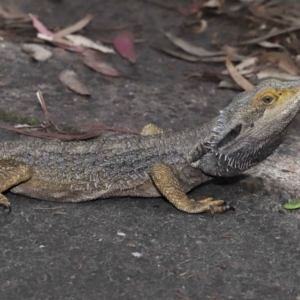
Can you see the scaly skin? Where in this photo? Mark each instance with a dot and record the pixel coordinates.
(155, 163)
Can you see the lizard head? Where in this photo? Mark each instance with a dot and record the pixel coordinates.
(249, 129)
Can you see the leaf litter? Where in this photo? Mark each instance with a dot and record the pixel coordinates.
(273, 26)
(49, 130)
(270, 50)
(71, 80)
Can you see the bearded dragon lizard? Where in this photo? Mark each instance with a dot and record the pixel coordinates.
(155, 163)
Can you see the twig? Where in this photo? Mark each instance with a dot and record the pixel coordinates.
(269, 35)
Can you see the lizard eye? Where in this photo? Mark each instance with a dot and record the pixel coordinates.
(268, 99)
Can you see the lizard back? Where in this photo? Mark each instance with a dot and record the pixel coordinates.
(110, 166)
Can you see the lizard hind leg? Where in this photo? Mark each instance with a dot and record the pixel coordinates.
(167, 183)
(12, 173)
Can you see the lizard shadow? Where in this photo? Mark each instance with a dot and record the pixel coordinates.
(231, 185)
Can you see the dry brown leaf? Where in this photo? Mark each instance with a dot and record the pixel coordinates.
(79, 40)
(194, 26)
(283, 60)
(237, 77)
(191, 49)
(47, 35)
(193, 8)
(177, 54)
(61, 43)
(229, 50)
(192, 58)
(297, 59)
(228, 85)
(257, 10)
(214, 4)
(91, 60)
(266, 44)
(75, 27)
(270, 35)
(37, 52)
(12, 12)
(275, 73)
(71, 80)
(246, 67)
(246, 63)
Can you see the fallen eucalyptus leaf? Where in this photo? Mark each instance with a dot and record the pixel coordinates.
(92, 61)
(213, 4)
(267, 44)
(246, 66)
(177, 54)
(228, 85)
(124, 44)
(37, 52)
(191, 49)
(71, 80)
(269, 35)
(12, 12)
(283, 60)
(194, 26)
(75, 27)
(275, 73)
(191, 58)
(79, 40)
(47, 35)
(237, 77)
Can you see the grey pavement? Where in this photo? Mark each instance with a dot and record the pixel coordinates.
(143, 248)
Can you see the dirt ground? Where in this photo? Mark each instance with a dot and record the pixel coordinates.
(137, 248)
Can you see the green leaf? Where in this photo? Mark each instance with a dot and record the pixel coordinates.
(292, 205)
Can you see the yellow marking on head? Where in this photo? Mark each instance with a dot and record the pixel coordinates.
(272, 97)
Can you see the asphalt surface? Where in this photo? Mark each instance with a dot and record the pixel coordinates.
(137, 248)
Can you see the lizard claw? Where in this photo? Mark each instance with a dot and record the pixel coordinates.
(5, 203)
(220, 208)
(8, 209)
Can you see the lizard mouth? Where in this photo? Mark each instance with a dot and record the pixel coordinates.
(230, 136)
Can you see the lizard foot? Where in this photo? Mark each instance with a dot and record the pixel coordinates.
(207, 205)
(4, 202)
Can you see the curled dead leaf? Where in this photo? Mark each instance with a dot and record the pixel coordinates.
(275, 73)
(237, 77)
(267, 44)
(214, 4)
(191, 49)
(79, 40)
(37, 52)
(91, 60)
(283, 60)
(71, 80)
(194, 26)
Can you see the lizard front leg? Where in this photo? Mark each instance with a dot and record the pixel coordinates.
(167, 183)
(12, 173)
